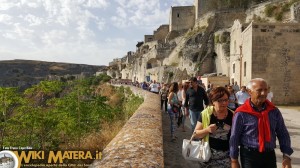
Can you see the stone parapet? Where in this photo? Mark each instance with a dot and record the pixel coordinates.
(140, 141)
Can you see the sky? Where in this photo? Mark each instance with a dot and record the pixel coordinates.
(90, 32)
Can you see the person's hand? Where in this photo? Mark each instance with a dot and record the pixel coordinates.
(187, 112)
(286, 162)
(212, 128)
(235, 165)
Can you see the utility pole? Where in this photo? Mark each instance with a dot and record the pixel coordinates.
(241, 65)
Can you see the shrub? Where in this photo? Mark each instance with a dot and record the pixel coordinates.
(269, 10)
(278, 16)
(217, 39)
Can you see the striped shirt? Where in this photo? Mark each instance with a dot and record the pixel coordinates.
(244, 131)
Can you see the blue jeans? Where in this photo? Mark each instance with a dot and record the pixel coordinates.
(194, 117)
(173, 118)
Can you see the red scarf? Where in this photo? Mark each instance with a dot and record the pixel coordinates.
(263, 121)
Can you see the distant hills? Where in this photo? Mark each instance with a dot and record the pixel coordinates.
(24, 73)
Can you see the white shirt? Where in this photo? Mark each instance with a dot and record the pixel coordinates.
(242, 97)
(270, 96)
(154, 87)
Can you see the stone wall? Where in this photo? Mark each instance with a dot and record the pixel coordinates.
(140, 142)
(276, 58)
(182, 18)
(161, 33)
(295, 12)
(148, 38)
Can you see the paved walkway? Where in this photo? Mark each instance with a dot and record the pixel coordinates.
(172, 150)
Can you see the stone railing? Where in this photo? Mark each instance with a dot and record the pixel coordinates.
(140, 141)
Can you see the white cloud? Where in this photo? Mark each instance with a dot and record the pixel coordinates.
(101, 24)
(5, 19)
(32, 20)
(96, 4)
(54, 37)
(121, 12)
(81, 31)
(117, 42)
(22, 32)
(182, 3)
(140, 13)
(9, 36)
(31, 3)
(6, 5)
(119, 22)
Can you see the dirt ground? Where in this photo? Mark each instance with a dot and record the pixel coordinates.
(172, 150)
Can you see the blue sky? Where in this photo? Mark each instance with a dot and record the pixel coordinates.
(78, 31)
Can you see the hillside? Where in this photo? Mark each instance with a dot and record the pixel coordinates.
(24, 73)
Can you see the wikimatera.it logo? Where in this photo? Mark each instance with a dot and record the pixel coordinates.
(32, 158)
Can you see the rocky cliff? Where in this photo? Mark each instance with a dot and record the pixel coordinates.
(23, 73)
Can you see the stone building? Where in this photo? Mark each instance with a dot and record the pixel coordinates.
(182, 18)
(199, 8)
(269, 51)
(161, 33)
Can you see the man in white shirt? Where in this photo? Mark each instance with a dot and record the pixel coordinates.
(242, 95)
(154, 87)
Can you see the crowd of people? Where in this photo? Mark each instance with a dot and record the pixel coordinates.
(239, 121)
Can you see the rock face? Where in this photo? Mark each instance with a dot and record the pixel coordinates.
(195, 50)
(23, 73)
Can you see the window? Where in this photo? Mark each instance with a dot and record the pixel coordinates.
(233, 68)
(245, 68)
(177, 14)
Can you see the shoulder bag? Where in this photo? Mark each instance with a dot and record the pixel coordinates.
(196, 150)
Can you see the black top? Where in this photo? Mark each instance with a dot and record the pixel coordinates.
(219, 140)
(194, 100)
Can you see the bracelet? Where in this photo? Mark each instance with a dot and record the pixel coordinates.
(234, 161)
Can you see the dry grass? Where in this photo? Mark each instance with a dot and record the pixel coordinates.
(99, 140)
(105, 90)
(56, 68)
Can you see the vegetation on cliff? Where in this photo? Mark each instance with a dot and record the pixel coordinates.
(55, 115)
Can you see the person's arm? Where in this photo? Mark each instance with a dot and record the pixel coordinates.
(200, 132)
(234, 142)
(186, 103)
(187, 97)
(284, 140)
(205, 98)
(170, 98)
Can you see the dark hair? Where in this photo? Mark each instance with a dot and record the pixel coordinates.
(216, 93)
(193, 79)
(174, 87)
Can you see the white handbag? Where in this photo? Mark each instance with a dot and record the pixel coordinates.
(196, 150)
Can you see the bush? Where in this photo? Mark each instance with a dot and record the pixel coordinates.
(269, 10)
(278, 16)
(217, 39)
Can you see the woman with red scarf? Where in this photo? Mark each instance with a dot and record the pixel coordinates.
(255, 126)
